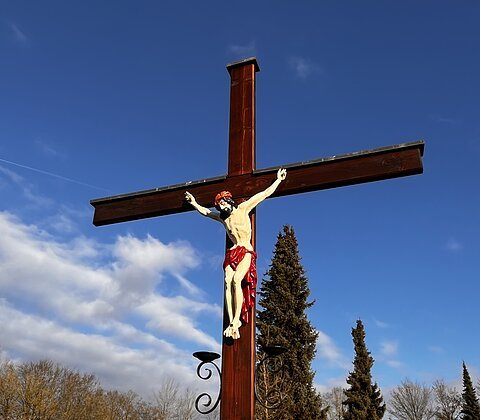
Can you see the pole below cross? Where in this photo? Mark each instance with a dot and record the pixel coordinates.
(243, 181)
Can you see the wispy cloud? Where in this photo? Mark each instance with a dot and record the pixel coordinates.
(303, 67)
(442, 119)
(396, 364)
(17, 34)
(330, 383)
(389, 353)
(380, 324)
(453, 245)
(327, 350)
(242, 50)
(48, 150)
(436, 349)
(65, 220)
(389, 348)
(53, 291)
(11, 175)
(28, 190)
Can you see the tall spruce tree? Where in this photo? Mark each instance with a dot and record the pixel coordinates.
(283, 321)
(470, 406)
(364, 400)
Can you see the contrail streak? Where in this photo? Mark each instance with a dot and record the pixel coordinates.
(64, 178)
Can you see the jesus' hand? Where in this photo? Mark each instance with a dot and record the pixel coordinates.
(189, 198)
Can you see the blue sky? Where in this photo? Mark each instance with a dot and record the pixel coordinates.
(103, 98)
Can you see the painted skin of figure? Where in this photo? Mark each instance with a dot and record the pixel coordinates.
(236, 220)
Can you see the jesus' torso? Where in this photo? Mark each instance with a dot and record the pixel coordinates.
(239, 228)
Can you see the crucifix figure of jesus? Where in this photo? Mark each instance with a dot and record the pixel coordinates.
(239, 265)
(244, 182)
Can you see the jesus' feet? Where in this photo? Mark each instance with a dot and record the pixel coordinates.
(233, 330)
(235, 326)
(235, 333)
(228, 331)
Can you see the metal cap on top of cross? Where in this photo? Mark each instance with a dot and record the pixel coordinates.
(243, 181)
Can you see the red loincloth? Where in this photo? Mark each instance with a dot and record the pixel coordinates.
(249, 284)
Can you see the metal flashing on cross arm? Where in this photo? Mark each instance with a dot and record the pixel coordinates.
(418, 145)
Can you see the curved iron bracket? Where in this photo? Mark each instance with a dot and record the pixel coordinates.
(207, 358)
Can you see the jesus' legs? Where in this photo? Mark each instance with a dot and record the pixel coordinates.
(229, 273)
(237, 292)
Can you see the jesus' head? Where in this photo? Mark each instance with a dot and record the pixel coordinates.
(224, 203)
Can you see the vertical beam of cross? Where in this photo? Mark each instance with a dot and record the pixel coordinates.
(238, 356)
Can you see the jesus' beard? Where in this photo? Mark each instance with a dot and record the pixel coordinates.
(225, 213)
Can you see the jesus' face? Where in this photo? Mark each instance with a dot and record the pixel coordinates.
(226, 208)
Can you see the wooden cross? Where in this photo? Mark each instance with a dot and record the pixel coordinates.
(243, 181)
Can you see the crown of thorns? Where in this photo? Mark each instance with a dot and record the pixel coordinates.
(224, 195)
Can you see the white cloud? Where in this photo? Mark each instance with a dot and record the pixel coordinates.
(442, 119)
(326, 349)
(340, 381)
(188, 286)
(154, 256)
(389, 347)
(380, 324)
(72, 301)
(242, 50)
(117, 365)
(12, 176)
(48, 150)
(62, 222)
(389, 353)
(436, 349)
(28, 190)
(170, 315)
(66, 222)
(394, 364)
(303, 67)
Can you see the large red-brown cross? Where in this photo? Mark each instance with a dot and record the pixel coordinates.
(244, 180)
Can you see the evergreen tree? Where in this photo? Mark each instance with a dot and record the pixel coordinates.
(470, 406)
(282, 321)
(364, 400)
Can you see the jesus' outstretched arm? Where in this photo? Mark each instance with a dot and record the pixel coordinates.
(252, 202)
(202, 210)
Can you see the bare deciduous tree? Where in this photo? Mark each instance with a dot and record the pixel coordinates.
(448, 401)
(47, 391)
(334, 401)
(9, 386)
(172, 403)
(411, 401)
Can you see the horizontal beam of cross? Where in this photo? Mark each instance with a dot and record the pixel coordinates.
(337, 171)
